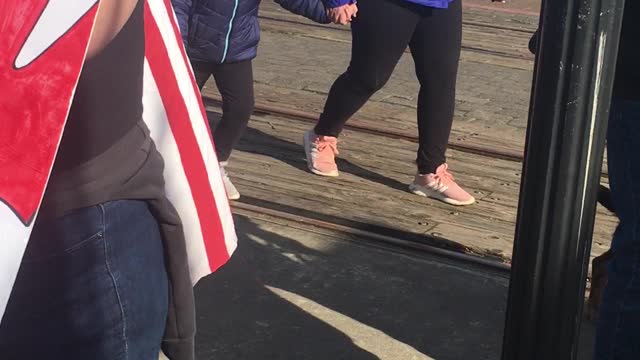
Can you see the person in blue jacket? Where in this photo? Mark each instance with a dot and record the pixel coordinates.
(221, 38)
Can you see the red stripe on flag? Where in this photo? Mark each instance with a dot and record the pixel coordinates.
(192, 161)
(187, 63)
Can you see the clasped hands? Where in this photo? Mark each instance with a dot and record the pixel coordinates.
(343, 14)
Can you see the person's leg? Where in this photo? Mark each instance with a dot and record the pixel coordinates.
(435, 47)
(380, 33)
(92, 285)
(235, 83)
(202, 72)
(618, 333)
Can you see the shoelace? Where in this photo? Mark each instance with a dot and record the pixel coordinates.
(443, 176)
(322, 144)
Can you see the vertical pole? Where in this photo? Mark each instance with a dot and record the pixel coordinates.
(568, 117)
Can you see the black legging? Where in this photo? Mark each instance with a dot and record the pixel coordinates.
(381, 32)
(235, 83)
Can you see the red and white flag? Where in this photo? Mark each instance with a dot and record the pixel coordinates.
(42, 49)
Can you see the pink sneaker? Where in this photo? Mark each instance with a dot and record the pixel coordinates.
(441, 186)
(321, 154)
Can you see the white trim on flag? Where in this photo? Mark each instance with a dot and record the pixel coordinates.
(192, 101)
(175, 177)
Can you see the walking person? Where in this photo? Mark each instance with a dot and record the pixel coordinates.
(381, 32)
(617, 335)
(66, 303)
(221, 37)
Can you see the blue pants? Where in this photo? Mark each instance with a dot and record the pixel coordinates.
(92, 285)
(618, 334)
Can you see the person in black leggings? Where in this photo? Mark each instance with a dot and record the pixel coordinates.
(221, 38)
(235, 84)
(381, 33)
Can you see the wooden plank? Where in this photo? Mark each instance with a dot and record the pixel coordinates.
(485, 239)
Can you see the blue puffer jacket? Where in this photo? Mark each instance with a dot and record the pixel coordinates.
(227, 31)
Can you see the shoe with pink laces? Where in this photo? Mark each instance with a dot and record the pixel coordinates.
(321, 154)
(441, 186)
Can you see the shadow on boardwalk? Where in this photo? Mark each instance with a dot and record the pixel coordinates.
(292, 294)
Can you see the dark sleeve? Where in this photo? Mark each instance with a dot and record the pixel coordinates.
(533, 42)
(311, 9)
(182, 9)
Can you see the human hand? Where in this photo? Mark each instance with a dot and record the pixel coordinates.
(343, 14)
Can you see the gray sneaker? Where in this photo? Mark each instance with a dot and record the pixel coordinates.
(232, 192)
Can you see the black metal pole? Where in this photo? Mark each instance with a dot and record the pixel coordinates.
(569, 109)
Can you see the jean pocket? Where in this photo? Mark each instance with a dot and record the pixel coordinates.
(65, 235)
(36, 254)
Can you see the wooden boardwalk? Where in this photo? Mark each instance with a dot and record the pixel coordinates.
(371, 193)
(270, 170)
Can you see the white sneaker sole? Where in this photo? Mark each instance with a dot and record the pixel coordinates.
(426, 192)
(307, 154)
(230, 189)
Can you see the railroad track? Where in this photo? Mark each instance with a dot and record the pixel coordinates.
(359, 125)
(381, 237)
(498, 27)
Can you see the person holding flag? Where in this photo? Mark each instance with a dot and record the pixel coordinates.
(128, 222)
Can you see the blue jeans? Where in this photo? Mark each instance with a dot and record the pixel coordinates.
(618, 334)
(92, 285)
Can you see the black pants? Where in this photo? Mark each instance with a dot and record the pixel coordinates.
(235, 83)
(381, 33)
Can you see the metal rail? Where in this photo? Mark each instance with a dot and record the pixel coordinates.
(379, 238)
(359, 125)
(498, 27)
